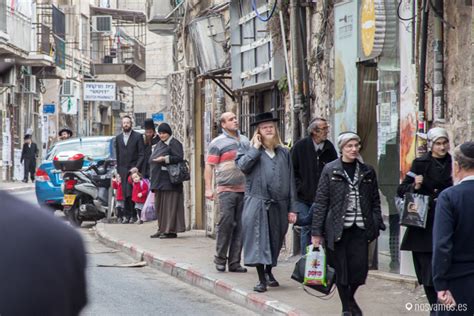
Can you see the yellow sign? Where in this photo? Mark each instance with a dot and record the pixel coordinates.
(69, 199)
(367, 18)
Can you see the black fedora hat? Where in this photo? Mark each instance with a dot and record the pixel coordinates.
(149, 124)
(67, 130)
(264, 117)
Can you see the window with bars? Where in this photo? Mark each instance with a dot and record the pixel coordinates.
(140, 119)
(257, 102)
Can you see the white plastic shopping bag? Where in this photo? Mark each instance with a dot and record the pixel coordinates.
(315, 269)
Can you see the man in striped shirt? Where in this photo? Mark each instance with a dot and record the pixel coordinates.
(230, 183)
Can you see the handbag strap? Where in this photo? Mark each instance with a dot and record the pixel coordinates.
(324, 297)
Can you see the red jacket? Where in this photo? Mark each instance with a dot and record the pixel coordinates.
(117, 185)
(139, 187)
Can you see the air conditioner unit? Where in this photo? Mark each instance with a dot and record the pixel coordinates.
(30, 84)
(68, 88)
(102, 23)
(9, 78)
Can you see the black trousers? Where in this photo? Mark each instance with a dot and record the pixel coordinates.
(29, 168)
(129, 208)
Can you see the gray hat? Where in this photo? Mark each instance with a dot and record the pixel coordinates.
(345, 137)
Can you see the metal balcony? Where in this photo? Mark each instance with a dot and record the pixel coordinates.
(116, 55)
(164, 15)
(15, 30)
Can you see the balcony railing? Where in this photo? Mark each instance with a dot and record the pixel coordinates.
(17, 25)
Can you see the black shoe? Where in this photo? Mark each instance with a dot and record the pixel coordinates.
(239, 269)
(24, 181)
(220, 267)
(168, 235)
(346, 314)
(355, 309)
(271, 281)
(156, 235)
(260, 287)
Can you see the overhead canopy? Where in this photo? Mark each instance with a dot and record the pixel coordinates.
(123, 15)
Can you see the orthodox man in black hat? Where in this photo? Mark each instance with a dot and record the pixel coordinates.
(28, 156)
(151, 139)
(64, 134)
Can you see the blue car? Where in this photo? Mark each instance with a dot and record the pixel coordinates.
(48, 183)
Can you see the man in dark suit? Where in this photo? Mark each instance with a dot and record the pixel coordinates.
(43, 262)
(309, 156)
(130, 149)
(150, 139)
(29, 155)
(453, 238)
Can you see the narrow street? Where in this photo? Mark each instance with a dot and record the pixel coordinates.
(139, 291)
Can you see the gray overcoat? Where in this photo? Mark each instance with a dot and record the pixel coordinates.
(269, 197)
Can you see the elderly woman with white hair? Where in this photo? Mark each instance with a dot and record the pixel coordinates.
(347, 217)
(429, 175)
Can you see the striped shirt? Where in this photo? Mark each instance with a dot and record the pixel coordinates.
(221, 154)
(353, 211)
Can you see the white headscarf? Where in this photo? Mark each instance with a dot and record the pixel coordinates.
(434, 134)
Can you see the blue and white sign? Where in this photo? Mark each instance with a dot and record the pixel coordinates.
(49, 108)
(158, 117)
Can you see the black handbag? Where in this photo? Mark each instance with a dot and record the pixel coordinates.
(415, 210)
(298, 276)
(179, 172)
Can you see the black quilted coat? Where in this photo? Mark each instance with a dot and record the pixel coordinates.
(331, 201)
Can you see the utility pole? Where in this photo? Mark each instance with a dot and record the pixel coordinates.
(438, 82)
(296, 54)
(421, 143)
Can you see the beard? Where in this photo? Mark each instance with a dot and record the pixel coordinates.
(127, 129)
(269, 141)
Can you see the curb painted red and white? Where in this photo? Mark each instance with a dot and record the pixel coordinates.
(259, 303)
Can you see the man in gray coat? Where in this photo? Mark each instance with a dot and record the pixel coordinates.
(230, 191)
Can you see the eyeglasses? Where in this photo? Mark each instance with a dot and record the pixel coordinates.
(322, 129)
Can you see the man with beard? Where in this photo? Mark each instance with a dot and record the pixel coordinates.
(129, 148)
(309, 156)
(230, 192)
(151, 139)
(269, 198)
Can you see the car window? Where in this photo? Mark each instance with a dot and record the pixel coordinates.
(92, 149)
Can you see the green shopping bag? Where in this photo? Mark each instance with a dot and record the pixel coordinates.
(315, 267)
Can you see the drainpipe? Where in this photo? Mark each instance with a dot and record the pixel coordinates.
(438, 82)
(421, 82)
(296, 54)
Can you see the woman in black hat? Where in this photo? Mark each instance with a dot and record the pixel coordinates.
(169, 199)
(269, 199)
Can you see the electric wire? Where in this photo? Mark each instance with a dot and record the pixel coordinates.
(261, 18)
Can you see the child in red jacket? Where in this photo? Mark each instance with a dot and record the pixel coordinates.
(139, 193)
(117, 185)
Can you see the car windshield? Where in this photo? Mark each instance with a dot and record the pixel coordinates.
(91, 149)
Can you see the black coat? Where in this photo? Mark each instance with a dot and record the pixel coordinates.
(435, 180)
(43, 262)
(128, 157)
(160, 179)
(453, 255)
(147, 155)
(308, 165)
(331, 200)
(29, 152)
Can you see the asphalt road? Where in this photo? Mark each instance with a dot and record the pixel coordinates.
(139, 291)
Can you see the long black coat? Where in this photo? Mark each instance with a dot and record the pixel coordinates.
(160, 178)
(308, 165)
(146, 159)
(435, 180)
(128, 157)
(331, 200)
(29, 152)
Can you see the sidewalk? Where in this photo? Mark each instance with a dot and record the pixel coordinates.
(16, 186)
(189, 258)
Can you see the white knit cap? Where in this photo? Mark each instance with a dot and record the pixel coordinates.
(345, 137)
(436, 133)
